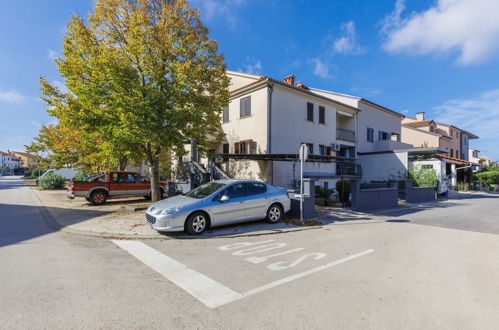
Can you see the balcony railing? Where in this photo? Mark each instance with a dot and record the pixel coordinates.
(345, 135)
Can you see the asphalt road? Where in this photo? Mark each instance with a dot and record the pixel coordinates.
(431, 267)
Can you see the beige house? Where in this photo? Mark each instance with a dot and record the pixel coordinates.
(30, 161)
(422, 132)
(474, 156)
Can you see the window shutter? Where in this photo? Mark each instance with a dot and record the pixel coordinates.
(310, 111)
(322, 115)
(236, 148)
(226, 114)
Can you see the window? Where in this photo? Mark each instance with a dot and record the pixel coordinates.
(310, 148)
(118, 177)
(384, 136)
(322, 115)
(205, 190)
(225, 148)
(432, 129)
(370, 135)
(328, 151)
(234, 191)
(310, 111)
(226, 114)
(245, 109)
(322, 149)
(255, 188)
(452, 152)
(245, 147)
(427, 167)
(134, 178)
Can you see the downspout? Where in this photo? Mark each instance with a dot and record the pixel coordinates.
(269, 130)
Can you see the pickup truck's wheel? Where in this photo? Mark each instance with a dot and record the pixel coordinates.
(197, 223)
(98, 197)
(274, 213)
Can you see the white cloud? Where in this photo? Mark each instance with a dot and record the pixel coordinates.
(393, 21)
(478, 115)
(11, 96)
(347, 43)
(251, 66)
(52, 54)
(321, 68)
(215, 9)
(470, 27)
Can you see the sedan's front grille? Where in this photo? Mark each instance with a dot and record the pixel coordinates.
(150, 219)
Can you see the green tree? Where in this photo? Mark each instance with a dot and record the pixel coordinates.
(143, 79)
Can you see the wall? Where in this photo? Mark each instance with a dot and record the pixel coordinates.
(383, 166)
(418, 137)
(366, 200)
(454, 143)
(377, 119)
(290, 128)
(238, 80)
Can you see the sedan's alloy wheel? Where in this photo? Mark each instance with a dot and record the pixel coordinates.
(199, 223)
(274, 213)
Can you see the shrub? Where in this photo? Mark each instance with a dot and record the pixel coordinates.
(27, 174)
(82, 175)
(488, 178)
(423, 177)
(51, 181)
(463, 186)
(344, 188)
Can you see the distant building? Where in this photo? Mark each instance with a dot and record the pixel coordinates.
(9, 161)
(30, 161)
(422, 132)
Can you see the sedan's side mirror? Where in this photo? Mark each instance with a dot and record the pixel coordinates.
(224, 198)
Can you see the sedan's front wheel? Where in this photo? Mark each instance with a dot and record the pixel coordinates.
(196, 223)
(274, 213)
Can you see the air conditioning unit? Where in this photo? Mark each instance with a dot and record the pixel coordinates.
(335, 147)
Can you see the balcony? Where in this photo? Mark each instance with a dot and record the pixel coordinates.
(345, 135)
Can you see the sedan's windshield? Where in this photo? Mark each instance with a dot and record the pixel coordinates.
(205, 190)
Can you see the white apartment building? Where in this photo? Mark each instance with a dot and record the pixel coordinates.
(266, 116)
(6, 160)
(378, 136)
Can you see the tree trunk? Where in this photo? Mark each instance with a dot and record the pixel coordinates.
(153, 164)
(123, 162)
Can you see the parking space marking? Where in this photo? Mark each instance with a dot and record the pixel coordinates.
(305, 273)
(203, 288)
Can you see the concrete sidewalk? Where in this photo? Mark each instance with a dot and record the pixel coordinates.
(113, 220)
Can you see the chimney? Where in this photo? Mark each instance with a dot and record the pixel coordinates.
(290, 80)
(302, 86)
(420, 116)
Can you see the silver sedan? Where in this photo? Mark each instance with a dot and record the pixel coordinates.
(219, 203)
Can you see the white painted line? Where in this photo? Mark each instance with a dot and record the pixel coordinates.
(305, 273)
(201, 287)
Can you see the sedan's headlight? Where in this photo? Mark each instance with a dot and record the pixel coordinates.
(168, 211)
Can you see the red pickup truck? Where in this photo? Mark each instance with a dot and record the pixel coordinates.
(98, 188)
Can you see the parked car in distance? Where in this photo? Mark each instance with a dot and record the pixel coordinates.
(219, 203)
(98, 188)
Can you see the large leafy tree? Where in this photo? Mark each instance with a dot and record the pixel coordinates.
(143, 77)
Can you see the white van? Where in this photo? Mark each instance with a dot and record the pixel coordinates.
(67, 173)
(440, 168)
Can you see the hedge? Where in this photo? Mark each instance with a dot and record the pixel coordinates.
(489, 177)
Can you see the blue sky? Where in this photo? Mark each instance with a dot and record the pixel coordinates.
(441, 57)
